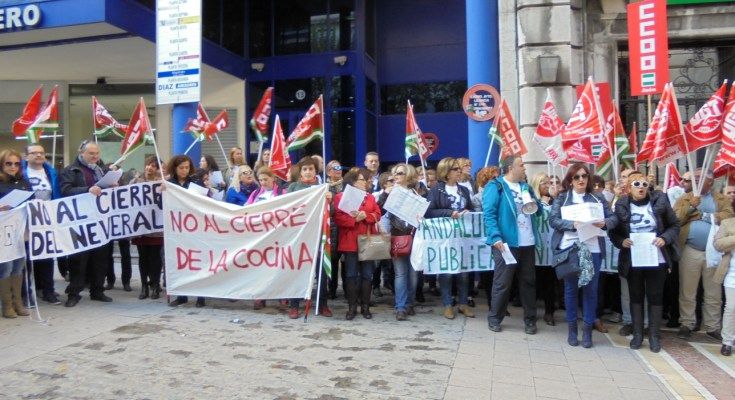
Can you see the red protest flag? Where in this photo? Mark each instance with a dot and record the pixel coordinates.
(705, 126)
(671, 177)
(196, 126)
(217, 125)
(104, 122)
(615, 144)
(507, 130)
(584, 123)
(726, 157)
(30, 112)
(259, 122)
(138, 129)
(415, 142)
(309, 128)
(664, 141)
(280, 161)
(548, 133)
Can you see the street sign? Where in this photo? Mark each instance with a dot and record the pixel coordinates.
(480, 102)
(178, 51)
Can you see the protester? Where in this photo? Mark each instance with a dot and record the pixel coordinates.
(80, 177)
(11, 272)
(264, 161)
(729, 191)
(44, 184)
(695, 216)
(645, 211)
(483, 177)
(372, 163)
(725, 242)
(150, 262)
(577, 187)
(236, 161)
(509, 228)
(466, 175)
(351, 225)
(545, 275)
(334, 179)
(406, 278)
(208, 163)
(181, 168)
(241, 189)
(448, 199)
(431, 178)
(383, 267)
(307, 168)
(319, 166)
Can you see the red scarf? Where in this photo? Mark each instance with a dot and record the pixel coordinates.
(309, 182)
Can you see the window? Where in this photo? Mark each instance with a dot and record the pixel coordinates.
(343, 137)
(343, 91)
(315, 26)
(425, 97)
(233, 27)
(211, 24)
(370, 95)
(259, 25)
(370, 28)
(297, 93)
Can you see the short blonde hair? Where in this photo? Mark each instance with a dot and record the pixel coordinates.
(411, 178)
(536, 182)
(445, 165)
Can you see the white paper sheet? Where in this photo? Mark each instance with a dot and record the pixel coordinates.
(111, 178)
(218, 195)
(507, 255)
(584, 212)
(406, 205)
(216, 179)
(351, 200)
(588, 231)
(198, 189)
(15, 198)
(643, 253)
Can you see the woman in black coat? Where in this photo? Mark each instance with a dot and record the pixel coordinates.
(644, 211)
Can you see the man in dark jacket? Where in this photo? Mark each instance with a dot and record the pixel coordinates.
(42, 177)
(81, 176)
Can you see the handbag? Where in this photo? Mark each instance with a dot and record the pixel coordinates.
(373, 246)
(566, 262)
(400, 246)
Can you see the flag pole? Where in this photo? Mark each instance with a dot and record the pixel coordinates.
(690, 156)
(53, 149)
(227, 159)
(489, 149)
(192, 145)
(324, 152)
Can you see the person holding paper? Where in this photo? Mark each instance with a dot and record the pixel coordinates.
(360, 222)
(11, 272)
(406, 277)
(334, 179)
(181, 168)
(510, 230)
(150, 254)
(577, 186)
(644, 211)
(545, 276)
(695, 216)
(81, 176)
(208, 163)
(450, 199)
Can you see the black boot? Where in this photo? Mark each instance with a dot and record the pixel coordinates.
(572, 337)
(636, 314)
(654, 328)
(587, 335)
(365, 292)
(143, 292)
(155, 291)
(351, 294)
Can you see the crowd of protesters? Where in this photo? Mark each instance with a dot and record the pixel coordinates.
(683, 291)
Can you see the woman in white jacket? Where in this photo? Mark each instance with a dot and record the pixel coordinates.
(725, 242)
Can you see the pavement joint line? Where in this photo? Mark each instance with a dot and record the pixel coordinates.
(700, 348)
(687, 376)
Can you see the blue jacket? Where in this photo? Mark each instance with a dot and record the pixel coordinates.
(499, 210)
(50, 174)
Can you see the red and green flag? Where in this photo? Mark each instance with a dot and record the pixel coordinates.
(280, 162)
(104, 123)
(259, 122)
(36, 119)
(326, 242)
(309, 128)
(415, 142)
(139, 129)
(615, 144)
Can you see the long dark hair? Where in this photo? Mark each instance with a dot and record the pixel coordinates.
(566, 184)
(178, 160)
(211, 163)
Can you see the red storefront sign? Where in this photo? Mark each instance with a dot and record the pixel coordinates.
(648, 47)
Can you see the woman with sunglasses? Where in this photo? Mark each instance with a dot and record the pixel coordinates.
(645, 211)
(241, 189)
(449, 199)
(577, 187)
(11, 272)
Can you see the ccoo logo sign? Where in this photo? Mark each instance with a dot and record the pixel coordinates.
(648, 47)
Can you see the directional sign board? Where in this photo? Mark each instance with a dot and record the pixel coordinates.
(178, 51)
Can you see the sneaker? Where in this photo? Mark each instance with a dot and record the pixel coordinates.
(449, 312)
(293, 313)
(726, 350)
(531, 328)
(401, 316)
(325, 312)
(52, 299)
(466, 311)
(715, 335)
(684, 333)
(494, 327)
(410, 310)
(626, 330)
(615, 318)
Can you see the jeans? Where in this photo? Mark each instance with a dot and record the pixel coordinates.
(358, 270)
(405, 282)
(445, 288)
(589, 294)
(12, 268)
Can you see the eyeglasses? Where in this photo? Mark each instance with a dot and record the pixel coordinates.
(12, 164)
(248, 173)
(336, 167)
(400, 173)
(580, 177)
(638, 184)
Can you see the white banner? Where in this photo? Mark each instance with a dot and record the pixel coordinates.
(66, 226)
(267, 250)
(451, 246)
(12, 228)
